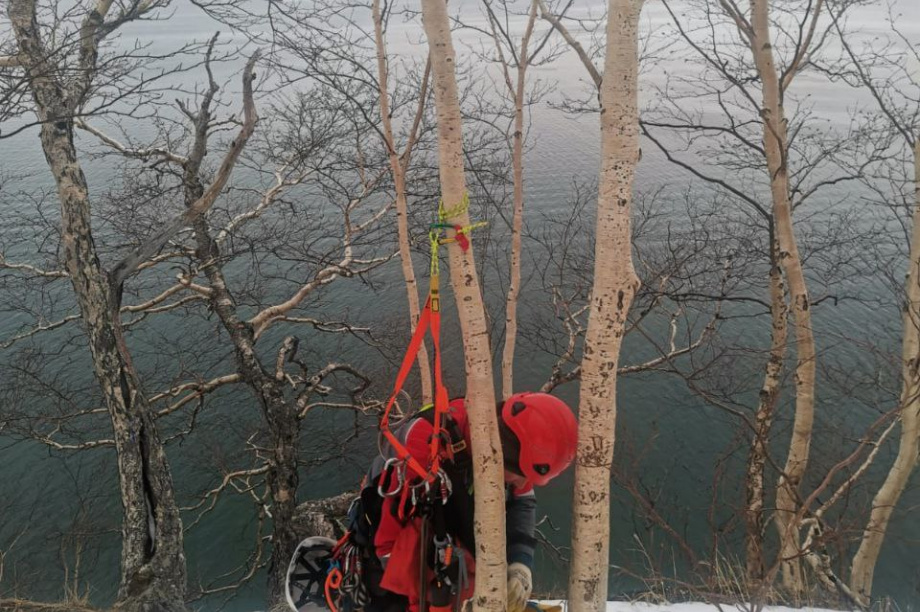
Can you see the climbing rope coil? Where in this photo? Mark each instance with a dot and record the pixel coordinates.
(416, 485)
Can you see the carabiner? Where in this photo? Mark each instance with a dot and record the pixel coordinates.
(400, 469)
(447, 487)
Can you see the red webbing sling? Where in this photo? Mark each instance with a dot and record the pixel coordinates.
(430, 319)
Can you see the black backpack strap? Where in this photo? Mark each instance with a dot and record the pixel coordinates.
(459, 452)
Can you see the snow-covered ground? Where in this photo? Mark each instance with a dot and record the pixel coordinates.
(626, 606)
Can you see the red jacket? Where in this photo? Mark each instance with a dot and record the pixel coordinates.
(396, 542)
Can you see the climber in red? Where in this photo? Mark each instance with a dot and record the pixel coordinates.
(538, 434)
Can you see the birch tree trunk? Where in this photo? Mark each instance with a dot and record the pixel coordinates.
(887, 497)
(776, 146)
(517, 221)
(491, 573)
(615, 285)
(153, 570)
(763, 420)
(402, 206)
(153, 567)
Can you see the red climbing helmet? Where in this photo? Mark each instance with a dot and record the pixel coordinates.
(547, 432)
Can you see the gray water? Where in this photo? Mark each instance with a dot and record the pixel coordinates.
(685, 438)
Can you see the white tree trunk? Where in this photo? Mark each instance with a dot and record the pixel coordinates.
(763, 421)
(615, 285)
(517, 221)
(402, 206)
(776, 145)
(887, 497)
(153, 566)
(489, 510)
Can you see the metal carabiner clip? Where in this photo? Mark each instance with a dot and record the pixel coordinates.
(447, 487)
(398, 466)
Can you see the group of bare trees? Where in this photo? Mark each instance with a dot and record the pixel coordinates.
(203, 285)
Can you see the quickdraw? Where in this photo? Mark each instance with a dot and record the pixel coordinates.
(346, 577)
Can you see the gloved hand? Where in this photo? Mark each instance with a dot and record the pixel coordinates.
(520, 585)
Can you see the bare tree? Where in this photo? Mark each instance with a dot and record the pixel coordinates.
(517, 58)
(776, 142)
(313, 141)
(793, 164)
(491, 583)
(60, 77)
(309, 159)
(614, 287)
(881, 69)
(399, 165)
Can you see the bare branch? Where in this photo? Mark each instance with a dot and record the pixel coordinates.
(197, 390)
(267, 316)
(576, 46)
(229, 480)
(48, 441)
(5, 265)
(130, 264)
(37, 330)
(796, 65)
(143, 154)
(857, 474)
(267, 199)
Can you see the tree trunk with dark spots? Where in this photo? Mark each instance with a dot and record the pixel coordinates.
(615, 286)
(905, 462)
(491, 570)
(153, 568)
(755, 520)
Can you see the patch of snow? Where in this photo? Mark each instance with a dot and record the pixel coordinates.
(628, 606)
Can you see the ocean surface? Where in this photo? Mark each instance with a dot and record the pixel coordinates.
(59, 511)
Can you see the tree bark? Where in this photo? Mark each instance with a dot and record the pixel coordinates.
(763, 421)
(402, 205)
(517, 221)
(280, 415)
(615, 286)
(489, 508)
(775, 138)
(153, 567)
(890, 492)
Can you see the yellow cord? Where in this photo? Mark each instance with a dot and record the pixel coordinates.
(435, 239)
(445, 214)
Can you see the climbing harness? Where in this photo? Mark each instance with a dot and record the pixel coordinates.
(419, 491)
(429, 320)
